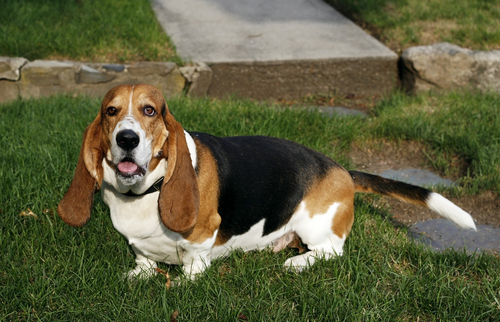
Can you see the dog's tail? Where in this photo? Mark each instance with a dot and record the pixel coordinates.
(369, 183)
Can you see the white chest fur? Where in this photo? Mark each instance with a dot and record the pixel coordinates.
(137, 219)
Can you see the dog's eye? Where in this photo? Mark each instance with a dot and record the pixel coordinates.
(149, 111)
(111, 111)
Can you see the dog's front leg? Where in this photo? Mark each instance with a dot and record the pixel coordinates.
(196, 257)
(145, 268)
(195, 263)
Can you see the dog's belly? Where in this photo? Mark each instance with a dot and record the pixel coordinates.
(301, 224)
(137, 220)
(252, 239)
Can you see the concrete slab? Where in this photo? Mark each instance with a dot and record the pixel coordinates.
(277, 48)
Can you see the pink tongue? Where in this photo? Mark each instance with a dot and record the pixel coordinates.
(127, 167)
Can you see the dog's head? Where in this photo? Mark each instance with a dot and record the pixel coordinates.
(132, 133)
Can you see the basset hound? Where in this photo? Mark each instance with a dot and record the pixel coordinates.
(187, 198)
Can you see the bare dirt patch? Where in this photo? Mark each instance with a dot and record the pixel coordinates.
(379, 156)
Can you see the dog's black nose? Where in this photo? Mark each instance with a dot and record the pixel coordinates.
(127, 139)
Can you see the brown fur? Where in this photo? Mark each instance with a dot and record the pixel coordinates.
(143, 95)
(179, 199)
(208, 182)
(75, 207)
(178, 202)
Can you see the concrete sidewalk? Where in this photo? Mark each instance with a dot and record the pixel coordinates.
(277, 48)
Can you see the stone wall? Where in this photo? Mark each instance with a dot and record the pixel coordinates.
(30, 79)
(441, 66)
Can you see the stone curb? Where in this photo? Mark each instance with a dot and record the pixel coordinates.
(20, 78)
(295, 79)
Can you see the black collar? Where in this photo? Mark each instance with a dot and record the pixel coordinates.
(155, 187)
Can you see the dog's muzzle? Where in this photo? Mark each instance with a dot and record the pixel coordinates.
(128, 140)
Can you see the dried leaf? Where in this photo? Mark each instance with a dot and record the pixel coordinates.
(161, 271)
(173, 317)
(28, 213)
(242, 317)
(168, 284)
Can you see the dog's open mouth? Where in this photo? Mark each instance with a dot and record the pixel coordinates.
(127, 168)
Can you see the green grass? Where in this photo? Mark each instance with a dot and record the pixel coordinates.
(127, 30)
(463, 124)
(112, 31)
(52, 272)
(403, 23)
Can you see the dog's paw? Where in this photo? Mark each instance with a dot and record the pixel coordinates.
(306, 260)
(301, 262)
(140, 272)
(296, 264)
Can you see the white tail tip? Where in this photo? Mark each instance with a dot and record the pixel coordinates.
(449, 210)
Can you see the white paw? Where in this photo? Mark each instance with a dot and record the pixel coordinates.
(306, 260)
(140, 272)
(300, 262)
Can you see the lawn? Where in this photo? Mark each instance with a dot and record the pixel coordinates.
(400, 24)
(97, 31)
(108, 31)
(50, 271)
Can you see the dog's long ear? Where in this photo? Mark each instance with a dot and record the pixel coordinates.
(76, 205)
(179, 199)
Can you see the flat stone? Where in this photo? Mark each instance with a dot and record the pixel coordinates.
(151, 68)
(340, 111)
(114, 67)
(445, 66)
(48, 73)
(277, 49)
(9, 67)
(418, 177)
(47, 77)
(89, 75)
(441, 234)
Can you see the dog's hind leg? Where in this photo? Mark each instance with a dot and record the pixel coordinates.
(324, 233)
